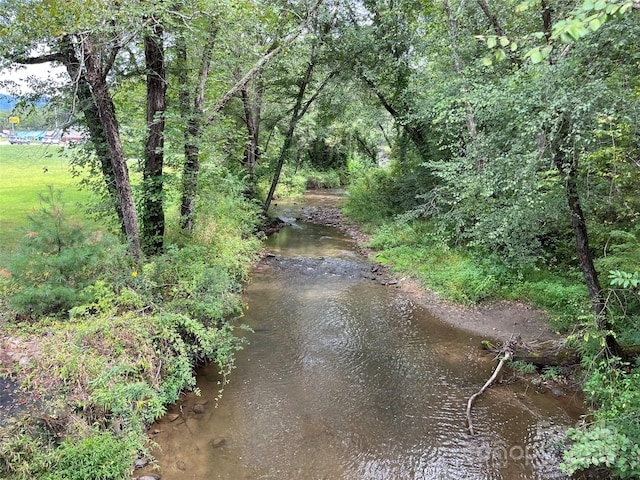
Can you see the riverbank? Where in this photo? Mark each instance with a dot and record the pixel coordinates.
(498, 320)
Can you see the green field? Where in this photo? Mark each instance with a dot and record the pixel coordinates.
(26, 171)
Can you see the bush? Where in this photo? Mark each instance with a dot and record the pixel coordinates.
(130, 341)
(612, 439)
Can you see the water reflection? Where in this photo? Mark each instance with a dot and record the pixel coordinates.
(347, 379)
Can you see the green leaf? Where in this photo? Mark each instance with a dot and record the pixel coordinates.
(565, 38)
(576, 31)
(491, 42)
(612, 8)
(535, 55)
(626, 7)
(504, 41)
(596, 23)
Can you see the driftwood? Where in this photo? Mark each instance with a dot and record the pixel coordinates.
(507, 353)
(550, 353)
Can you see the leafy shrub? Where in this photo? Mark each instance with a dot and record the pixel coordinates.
(612, 439)
(130, 343)
(367, 202)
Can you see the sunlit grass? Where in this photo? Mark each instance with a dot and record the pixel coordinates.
(25, 172)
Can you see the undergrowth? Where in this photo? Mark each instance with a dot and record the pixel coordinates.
(296, 181)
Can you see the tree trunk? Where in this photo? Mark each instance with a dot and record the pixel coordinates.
(284, 151)
(190, 172)
(153, 222)
(569, 168)
(68, 57)
(192, 111)
(457, 66)
(252, 109)
(415, 131)
(299, 110)
(107, 114)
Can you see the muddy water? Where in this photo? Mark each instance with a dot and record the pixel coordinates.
(348, 379)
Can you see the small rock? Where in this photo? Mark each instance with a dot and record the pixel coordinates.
(149, 477)
(556, 392)
(198, 408)
(170, 417)
(180, 465)
(139, 463)
(217, 442)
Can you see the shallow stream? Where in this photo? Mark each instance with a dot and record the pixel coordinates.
(345, 378)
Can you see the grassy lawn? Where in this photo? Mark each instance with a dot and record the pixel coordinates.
(26, 171)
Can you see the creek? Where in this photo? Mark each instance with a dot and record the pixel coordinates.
(344, 378)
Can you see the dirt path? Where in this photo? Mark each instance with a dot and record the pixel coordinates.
(496, 320)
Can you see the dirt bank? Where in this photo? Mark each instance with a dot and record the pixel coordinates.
(497, 320)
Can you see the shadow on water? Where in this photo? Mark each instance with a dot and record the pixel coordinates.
(348, 379)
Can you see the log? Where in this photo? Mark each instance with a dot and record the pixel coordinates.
(552, 353)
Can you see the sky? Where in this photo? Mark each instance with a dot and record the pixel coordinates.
(41, 71)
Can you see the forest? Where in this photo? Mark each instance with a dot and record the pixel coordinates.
(491, 148)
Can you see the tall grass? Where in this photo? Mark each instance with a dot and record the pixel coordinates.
(467, 277)
(25, 172)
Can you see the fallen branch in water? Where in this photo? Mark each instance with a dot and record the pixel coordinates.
(507, 356)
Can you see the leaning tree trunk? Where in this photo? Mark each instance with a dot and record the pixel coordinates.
(569, 168)
(296, 114)
(299, 111)
(88, 108)
(107, 113)
(153, 223)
